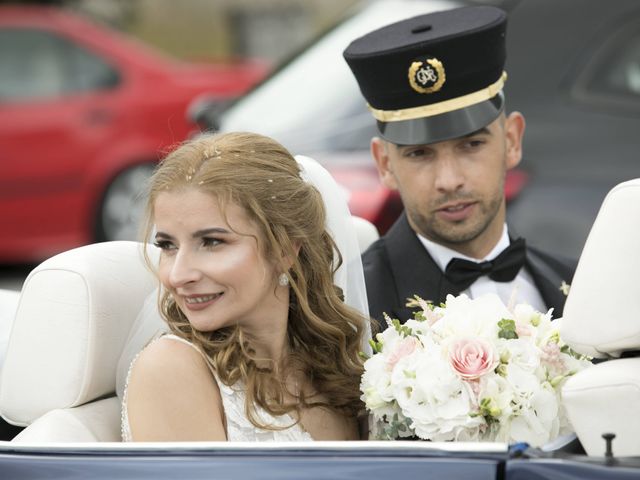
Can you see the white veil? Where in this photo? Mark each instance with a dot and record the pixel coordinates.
(349, 277)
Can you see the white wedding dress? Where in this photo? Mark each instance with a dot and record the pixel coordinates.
(239, 428)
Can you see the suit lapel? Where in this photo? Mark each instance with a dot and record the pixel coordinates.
(547, 281)
(414, 270)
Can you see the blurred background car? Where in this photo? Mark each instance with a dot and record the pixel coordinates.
(574, 71)
(575, 77)
(85, 113)
(313, 106)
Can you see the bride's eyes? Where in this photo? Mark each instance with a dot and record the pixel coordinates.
(210, 242)
(164, 245)
(169, 246)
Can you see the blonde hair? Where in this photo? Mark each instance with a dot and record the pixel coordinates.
(324, 334)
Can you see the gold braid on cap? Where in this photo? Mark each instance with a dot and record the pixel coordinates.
(440, 107)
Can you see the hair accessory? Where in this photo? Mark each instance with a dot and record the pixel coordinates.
(283, 280)
(211, 152)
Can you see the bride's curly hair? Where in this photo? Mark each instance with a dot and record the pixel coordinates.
(324, 334)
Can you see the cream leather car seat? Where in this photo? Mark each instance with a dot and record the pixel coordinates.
(81, 317)
(72, 321)
(602, 319)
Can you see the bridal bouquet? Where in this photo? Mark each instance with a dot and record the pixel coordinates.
(470, 370)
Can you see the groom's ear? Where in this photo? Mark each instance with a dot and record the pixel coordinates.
(380, 153)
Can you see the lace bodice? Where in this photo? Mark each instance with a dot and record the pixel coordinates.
(239, 428)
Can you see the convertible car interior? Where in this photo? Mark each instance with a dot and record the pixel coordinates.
(76, 314)
(78, 311)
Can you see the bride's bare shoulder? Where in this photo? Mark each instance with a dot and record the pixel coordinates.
(170, 362)
(170, 379)
(170, 350)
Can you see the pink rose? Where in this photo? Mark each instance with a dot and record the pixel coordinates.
(404, 347)
(472, 357)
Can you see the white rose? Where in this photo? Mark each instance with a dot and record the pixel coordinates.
(464, 317)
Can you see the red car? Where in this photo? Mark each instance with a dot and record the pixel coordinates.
(84, 114)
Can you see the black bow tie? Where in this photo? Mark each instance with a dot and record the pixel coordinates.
(503, 268)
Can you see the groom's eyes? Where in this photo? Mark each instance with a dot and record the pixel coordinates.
(418, 152)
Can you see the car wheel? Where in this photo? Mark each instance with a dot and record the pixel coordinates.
(123, 205)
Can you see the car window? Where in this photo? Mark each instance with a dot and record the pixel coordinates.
(611, 77)
(622, 75)
(36, 64)
(307, 105)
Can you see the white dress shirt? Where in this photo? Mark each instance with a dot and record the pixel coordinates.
(520, 290)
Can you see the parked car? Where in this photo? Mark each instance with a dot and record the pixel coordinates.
(85, 112)
(574, 71)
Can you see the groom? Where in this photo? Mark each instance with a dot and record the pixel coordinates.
(434, 84)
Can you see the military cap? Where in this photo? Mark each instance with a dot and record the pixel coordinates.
(433, 77)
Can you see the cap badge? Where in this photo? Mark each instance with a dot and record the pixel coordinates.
(427, 76)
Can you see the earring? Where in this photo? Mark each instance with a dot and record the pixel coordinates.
(283, 280)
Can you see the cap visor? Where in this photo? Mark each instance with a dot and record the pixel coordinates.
(444, 126)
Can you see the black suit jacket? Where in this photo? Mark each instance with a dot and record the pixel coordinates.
(397, 267)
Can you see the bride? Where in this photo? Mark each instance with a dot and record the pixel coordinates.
(262, 345)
